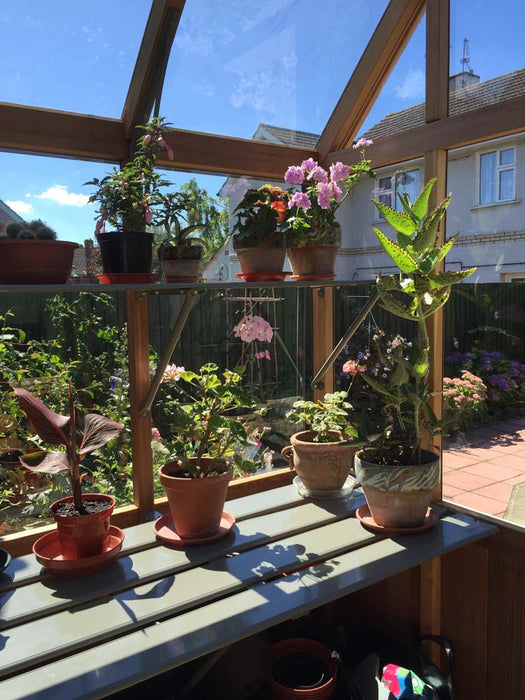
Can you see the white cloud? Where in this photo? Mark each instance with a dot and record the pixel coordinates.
(413, 86)
(20, 207)
(59, 194)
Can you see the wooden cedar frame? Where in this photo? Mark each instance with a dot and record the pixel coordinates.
(34, 130)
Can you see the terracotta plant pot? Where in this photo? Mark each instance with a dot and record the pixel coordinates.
(321, 466)
(196, 505)
(304, 668)
(33, 261)
(313, 261)
(398, 496)
(261, 260)
(83, 536)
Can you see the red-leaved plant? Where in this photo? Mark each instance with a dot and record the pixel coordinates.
(56, 429)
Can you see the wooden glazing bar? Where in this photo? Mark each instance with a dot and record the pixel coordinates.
(323, 337)
(437, 59)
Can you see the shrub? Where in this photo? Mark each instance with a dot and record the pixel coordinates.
(464, 401)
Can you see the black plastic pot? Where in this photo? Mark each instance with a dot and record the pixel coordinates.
(129, 251)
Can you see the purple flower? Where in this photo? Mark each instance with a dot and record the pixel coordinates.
(318, 174)
(294, 175)
(323, 197)
(339, 171)
(301, 200)
(335, 191)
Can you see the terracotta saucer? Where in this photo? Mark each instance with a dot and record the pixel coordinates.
(165, 531)
(262, 276)
(363, 515)
(47, 552)
(126, 278)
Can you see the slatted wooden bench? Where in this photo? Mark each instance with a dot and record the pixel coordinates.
(157, 608)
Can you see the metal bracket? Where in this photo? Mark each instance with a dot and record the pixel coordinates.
(316, 383)
(176, 333)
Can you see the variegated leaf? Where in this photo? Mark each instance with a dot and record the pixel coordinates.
(400, 257)
(395, 307)
(397, 219)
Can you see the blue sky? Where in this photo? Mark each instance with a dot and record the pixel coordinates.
(233, 65)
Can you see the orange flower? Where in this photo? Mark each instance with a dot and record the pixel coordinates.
(280, 208)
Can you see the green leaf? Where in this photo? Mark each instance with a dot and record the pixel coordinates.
(446, 279)
(427, 237)
(398, 220)
(400, 257)
(420, 206)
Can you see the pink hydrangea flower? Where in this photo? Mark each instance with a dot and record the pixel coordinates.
(318, 174)
(294, 175)
(323, 197)
(339, 171)
(362, 143)
(263, 355)
(155, 435)
(301, 200)
(172, 373)
(335, 191)
(309, 164)
(252, 328)
(352, 367)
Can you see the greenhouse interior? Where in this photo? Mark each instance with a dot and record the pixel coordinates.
(262, 302)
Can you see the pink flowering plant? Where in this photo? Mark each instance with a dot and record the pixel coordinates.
(203, 407)
(127, 197)
(313, 207)
(465, 400)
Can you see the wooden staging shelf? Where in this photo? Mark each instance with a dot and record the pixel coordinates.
(157, 608)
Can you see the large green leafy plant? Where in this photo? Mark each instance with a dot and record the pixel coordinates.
(419, 290)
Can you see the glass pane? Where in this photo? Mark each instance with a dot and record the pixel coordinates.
(486, 66)
(487, 178)
(237, 67)
(506, 156)
(407, 182)
(506, 184)
(400, 105)
(72, 56)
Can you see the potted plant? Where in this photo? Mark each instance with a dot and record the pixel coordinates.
(180, 253)
(398, 471)
(323, 455)
(82, 519)
(30, 254)
(258, 237)
(316, 234)
(205, 432)
(127, 198)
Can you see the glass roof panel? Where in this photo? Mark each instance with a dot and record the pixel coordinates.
(74, 56)
(235, 66)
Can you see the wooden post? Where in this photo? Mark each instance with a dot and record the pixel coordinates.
(323, 336)
(139, 373)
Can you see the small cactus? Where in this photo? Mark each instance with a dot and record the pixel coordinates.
(34, 229)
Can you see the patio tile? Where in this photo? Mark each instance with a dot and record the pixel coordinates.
(495, 470)
(515, 462)
(462, 479)
(456, 460)
(480, 453)
(514, 447)
(520, 479)
(450, 491)
(478, 502)
(500, 492)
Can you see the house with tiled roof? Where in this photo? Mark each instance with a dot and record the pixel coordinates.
(487, 181)
(8, 216)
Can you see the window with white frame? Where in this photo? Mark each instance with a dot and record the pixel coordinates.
(389, 187)
(497, 176)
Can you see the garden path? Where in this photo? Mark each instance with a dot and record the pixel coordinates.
(481, 468)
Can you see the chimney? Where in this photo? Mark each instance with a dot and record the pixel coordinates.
(462, 80)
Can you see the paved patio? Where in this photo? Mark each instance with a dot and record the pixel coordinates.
(481, 468)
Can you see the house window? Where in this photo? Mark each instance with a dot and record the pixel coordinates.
(497, 176)
(390, 187)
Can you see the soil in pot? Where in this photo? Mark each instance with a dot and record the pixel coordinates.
(303, 668)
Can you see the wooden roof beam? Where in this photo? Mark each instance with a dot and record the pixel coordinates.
(148, 76)
(490, 122)
(384, 48)
(50, 132)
